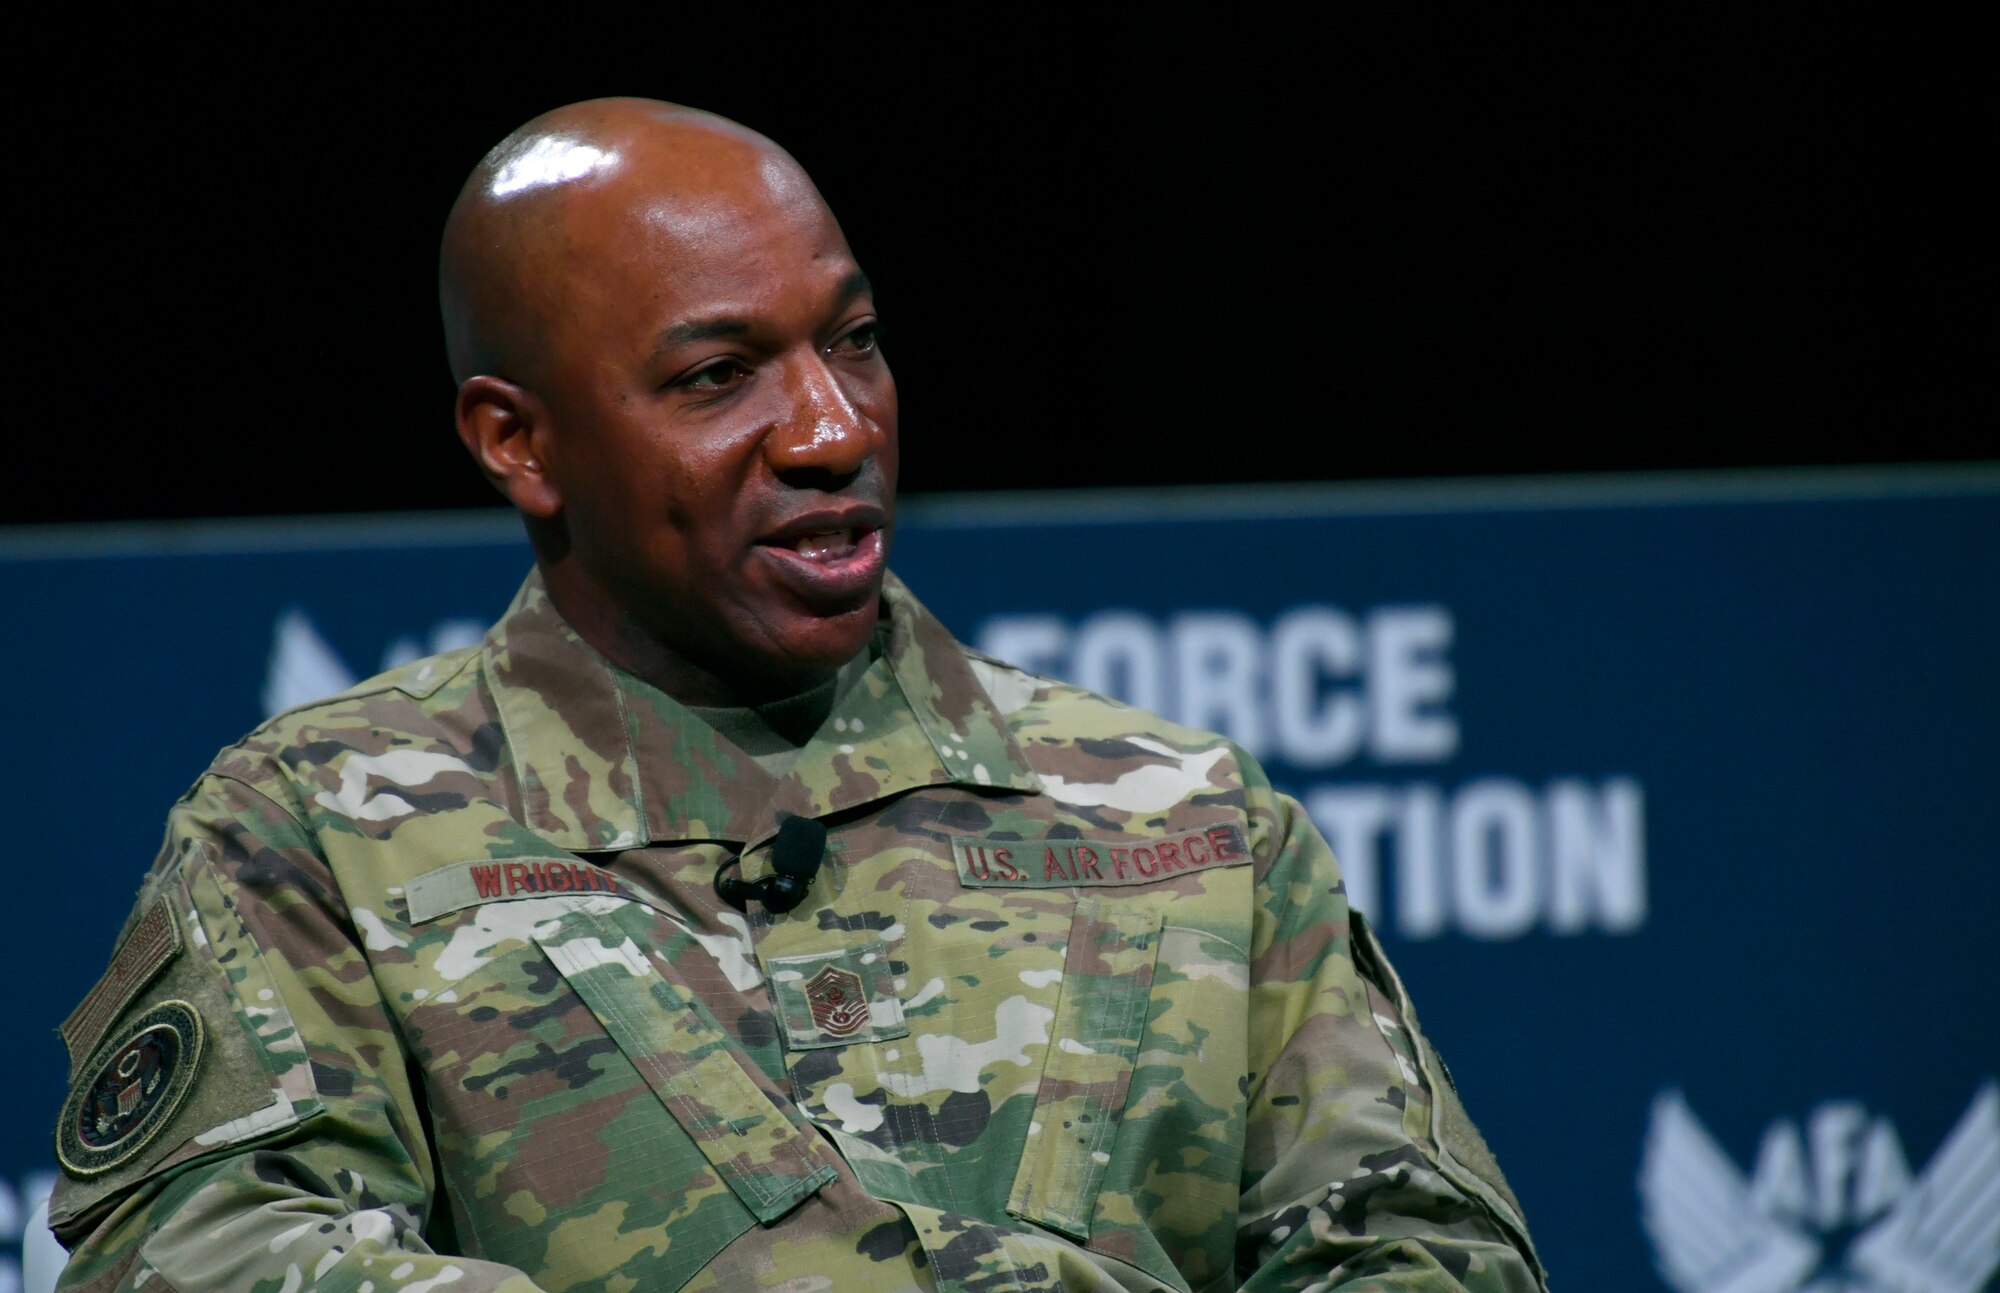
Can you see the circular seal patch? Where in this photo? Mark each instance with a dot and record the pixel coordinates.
(127, 1093)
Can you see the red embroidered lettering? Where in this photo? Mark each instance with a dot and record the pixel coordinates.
(1118, 857)
(1142, 858)
(1086, 863)
(486, 879)
(1004, 859)
(1189, 845)
(517, 876)
(1227, 842)
(557, 877)
(1052, 867)
(976, 864)
(1170, 856)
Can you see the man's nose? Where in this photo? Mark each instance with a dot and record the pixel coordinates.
(823, 431)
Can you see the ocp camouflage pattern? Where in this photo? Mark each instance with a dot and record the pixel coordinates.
(478, 1021)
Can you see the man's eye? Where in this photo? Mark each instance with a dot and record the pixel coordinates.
(862, 340)
(719, 375)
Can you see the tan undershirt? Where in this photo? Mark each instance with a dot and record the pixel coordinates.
(772, 734)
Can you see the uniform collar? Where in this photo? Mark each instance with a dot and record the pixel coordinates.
(606, 761)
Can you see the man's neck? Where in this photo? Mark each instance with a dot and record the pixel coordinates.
(774, 732)
(614, 633)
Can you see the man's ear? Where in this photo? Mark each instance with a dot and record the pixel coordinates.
(506, 430)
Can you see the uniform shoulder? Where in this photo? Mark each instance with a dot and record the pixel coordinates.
(399, 706)
(1036, 704)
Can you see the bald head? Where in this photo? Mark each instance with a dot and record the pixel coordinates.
(668, 362)
(553, 200)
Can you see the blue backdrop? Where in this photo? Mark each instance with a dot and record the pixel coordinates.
(1673, 798)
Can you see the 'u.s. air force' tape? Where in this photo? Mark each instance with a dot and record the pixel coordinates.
(1065, 864)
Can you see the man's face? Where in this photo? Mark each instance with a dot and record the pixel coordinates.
(722, 428)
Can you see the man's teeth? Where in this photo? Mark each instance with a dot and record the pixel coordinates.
(824, 545)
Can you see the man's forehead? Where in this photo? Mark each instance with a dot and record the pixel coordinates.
(610, 205)
(617, 203)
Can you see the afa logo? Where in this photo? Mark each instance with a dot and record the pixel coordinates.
(304, 667)
(1831, 1210)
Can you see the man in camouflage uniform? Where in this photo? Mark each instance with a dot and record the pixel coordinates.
(431, 987)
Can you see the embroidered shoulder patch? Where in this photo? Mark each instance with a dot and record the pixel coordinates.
(1068, 864)
(128, 1092)
(144, 953)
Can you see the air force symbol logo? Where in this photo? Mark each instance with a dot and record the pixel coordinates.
(1832, 1211)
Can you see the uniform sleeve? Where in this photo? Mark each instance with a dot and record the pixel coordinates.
(1361, 1171)
(242, 1114)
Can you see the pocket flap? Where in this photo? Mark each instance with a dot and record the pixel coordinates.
(769, 1162)
(1100, 1020)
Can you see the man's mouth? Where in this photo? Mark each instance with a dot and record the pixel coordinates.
(831, 560)
(826, 545)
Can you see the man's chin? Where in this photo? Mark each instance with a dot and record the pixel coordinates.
(811, 650)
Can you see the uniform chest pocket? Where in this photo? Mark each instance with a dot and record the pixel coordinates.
(993, 1063)
(1136, 1144)
(1167, 1179)
(692, 1065)
(1100, 1020)
(594, 1118)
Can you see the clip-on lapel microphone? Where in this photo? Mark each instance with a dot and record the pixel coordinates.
(796, 855)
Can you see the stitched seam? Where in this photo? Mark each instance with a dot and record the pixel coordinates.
(944, 1164)
(690, 1076)
(875, 1052)
(637, 801)
(268, 798)
(673, 1087)
(1205, 933)
(1083, 1160)
(669, 1086)
(1039, 1190)
(1034, 1198)
(1107, 1126)
(795, 1145)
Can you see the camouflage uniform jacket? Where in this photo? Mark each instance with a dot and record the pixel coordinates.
(430, 990)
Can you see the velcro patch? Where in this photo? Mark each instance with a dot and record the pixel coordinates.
(130, 1090)
(468, 884)
(144, 953)
(1071, 864)
(833, 998)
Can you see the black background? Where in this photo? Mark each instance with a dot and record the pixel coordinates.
(1113, 248)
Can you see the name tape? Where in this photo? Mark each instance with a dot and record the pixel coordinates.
(467, 884)
(1066, 864)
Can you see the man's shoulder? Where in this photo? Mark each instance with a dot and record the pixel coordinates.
(412, 707)
(1053, 720)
